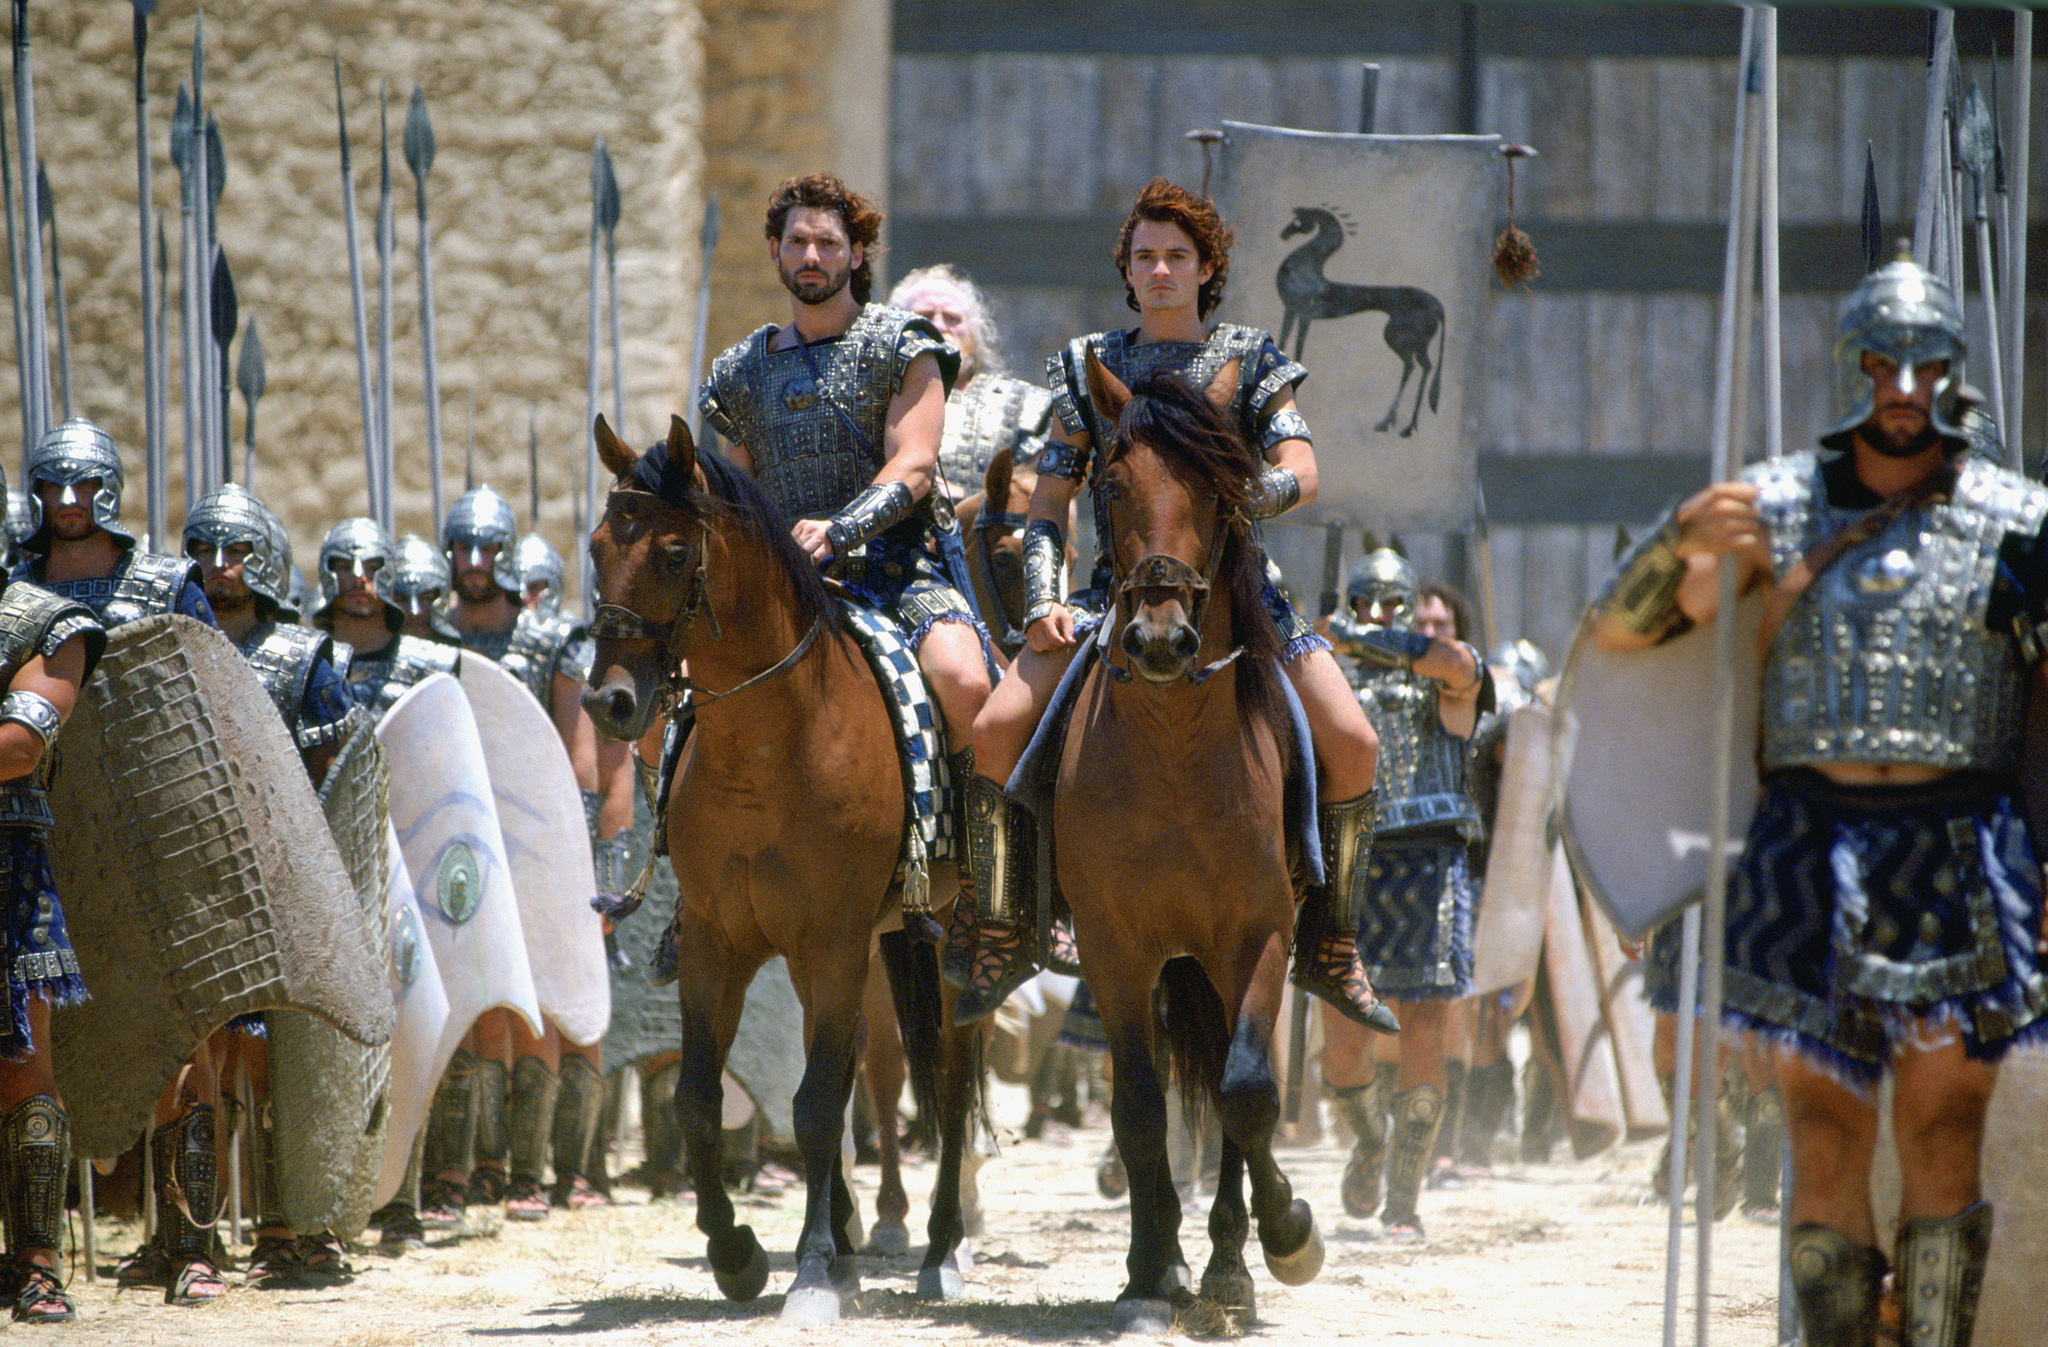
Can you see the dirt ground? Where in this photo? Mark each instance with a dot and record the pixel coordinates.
(1565, 1253)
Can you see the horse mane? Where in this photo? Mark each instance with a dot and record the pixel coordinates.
(1201, 446)
(736, 499)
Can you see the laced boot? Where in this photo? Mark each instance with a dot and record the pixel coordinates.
(534, 1089)
(1326, 958)
(579, 1106)
(1763, 1156)
(989, 947)
(664, 1134)
(1418, 1112)
(1364, 1109)
(1940, 1273)
(493, 1139)
(187, 1205)
(450, 1145)
(35, 1163)
(1837, 1283)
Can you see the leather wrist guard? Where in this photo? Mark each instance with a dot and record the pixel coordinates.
(35, 1158)
(35, 711)
(1274, 491)
(1644, 594)
(878, 508)
(1388, 647)
(1045, 547)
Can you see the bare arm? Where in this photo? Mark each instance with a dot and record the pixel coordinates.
(579, 734)
(55, 677)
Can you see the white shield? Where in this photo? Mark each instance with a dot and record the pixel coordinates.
(417, 1058)
(1594, 1117)
(1635, 737)
(1368, 258)
(447, 825)
(1509, 935)
(540, 812)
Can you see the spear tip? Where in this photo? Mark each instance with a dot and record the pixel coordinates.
(709, 237)
(419, 136)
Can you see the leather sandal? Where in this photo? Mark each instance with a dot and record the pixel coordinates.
(39, 1298)
(1331, 969)
(196, 1282)
(998, 962)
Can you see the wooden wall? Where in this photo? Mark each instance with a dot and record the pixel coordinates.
(1020, 133)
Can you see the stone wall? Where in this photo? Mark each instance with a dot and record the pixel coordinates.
(518, 93)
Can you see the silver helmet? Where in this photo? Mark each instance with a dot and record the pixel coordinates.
(538, 562)
(478, 519)
(1385, 577)
(229, 514)
(66, 455)
(1908, 315)
(421, 580)
(1525, 659)
(20, 525)
(362, 546)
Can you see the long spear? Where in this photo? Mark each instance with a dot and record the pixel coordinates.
(32, 261)
(2016, 230)
(226, 315)
(249, 378)
(1928, 222)
(419, 157)
(202, 261)
(14, 276)
(188, 286)
(583, 523)
(608, 219)
(707, 243)
(386, 240)
(209, 262)
(152, 335)
(1976, 143)
(533, 464)
(355, 285)
(46, 218)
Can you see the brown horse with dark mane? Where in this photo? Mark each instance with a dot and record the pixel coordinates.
(784, 825)
(1171, 838)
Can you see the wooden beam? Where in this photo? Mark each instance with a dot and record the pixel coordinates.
(1568, 488)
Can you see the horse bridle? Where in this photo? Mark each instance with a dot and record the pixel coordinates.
(615, 621)
(986, 525)
(1157, 570)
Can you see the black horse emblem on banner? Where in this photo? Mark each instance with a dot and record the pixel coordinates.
(1415, 318)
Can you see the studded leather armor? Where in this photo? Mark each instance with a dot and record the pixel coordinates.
(985, 417)
(33, 621)
(1422, 768)
(381, 679)
(812, 419)
(1885, 657)
(531, 651)
(143, 584)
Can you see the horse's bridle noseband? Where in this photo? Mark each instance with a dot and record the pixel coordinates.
(1157, 570)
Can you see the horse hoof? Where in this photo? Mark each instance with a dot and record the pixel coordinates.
(749, 1279)
(1300, 1267)
(888, 1239)
(1230, 1287)
(1141, 1318)
(942, 1282)
(811, 1307)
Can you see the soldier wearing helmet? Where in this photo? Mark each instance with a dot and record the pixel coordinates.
(1886, 913)
(77, 546)
(359, 605)
(420, 584)
(541, 574)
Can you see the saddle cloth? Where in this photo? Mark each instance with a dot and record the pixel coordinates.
(920, 734)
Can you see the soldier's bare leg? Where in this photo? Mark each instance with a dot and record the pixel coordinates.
(950, 657)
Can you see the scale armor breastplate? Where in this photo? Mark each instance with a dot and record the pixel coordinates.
(143, 585)
(283, 658)
(34, 621)
(1263, 372)
(1422, 767)
(381, 679)
(816, 440)
(1885, 657)
(989, 415)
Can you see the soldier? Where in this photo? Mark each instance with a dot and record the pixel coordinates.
(245, 556)
(18, 526)
(48, 647)
(1174, 256)
(480, 537)
(358, 565)
(420, 581)
(1886, 913)
(80, 551)
(541, 574)
(987, 411)
(1424, 689)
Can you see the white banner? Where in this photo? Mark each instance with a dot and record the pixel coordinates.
(1368, 258)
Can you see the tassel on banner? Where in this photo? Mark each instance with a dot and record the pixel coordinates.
(1514, 253)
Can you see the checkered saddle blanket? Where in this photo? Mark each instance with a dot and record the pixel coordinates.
(920, 740)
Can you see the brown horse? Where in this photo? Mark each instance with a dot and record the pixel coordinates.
(784, 825)
(995, 549)
(1170, 835)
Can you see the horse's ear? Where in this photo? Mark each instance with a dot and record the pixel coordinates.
(682, 448)
(1106, 391)
(617, 458)
(1222, 390)
(995, 483)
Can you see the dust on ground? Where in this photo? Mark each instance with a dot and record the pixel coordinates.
(1565, 1253)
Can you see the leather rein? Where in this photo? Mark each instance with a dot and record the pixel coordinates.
(617, 622)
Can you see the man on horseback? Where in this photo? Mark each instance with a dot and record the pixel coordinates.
(1424, 689)
(1174, 254)
(1886, 913)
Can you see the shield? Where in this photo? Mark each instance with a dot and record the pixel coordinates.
(1508, 939)
(1368, 258)
(447, 826)
(1635, 735)
(547, 844)
(1593, 1107)
(417, 1054)
(767, 1056)
(328, 1095)
(198, 876)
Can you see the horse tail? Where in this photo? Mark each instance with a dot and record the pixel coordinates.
(1196, 1030)
(913, 969)
(1436, 379)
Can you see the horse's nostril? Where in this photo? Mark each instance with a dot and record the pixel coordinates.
(1133, 643)
(618, 704)
(1186, 641)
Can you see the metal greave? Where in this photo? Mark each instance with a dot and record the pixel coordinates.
(1940, 1274)
(187, 1185)
(35, 1159)
(534, 1089)
(1347, 829)
(451, 1121)
(1000, 841)
(579, 1107)
(1837, 1282)
(493, 1142)
(1418, 1113)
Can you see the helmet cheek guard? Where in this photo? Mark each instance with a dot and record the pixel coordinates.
(1908, 316)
